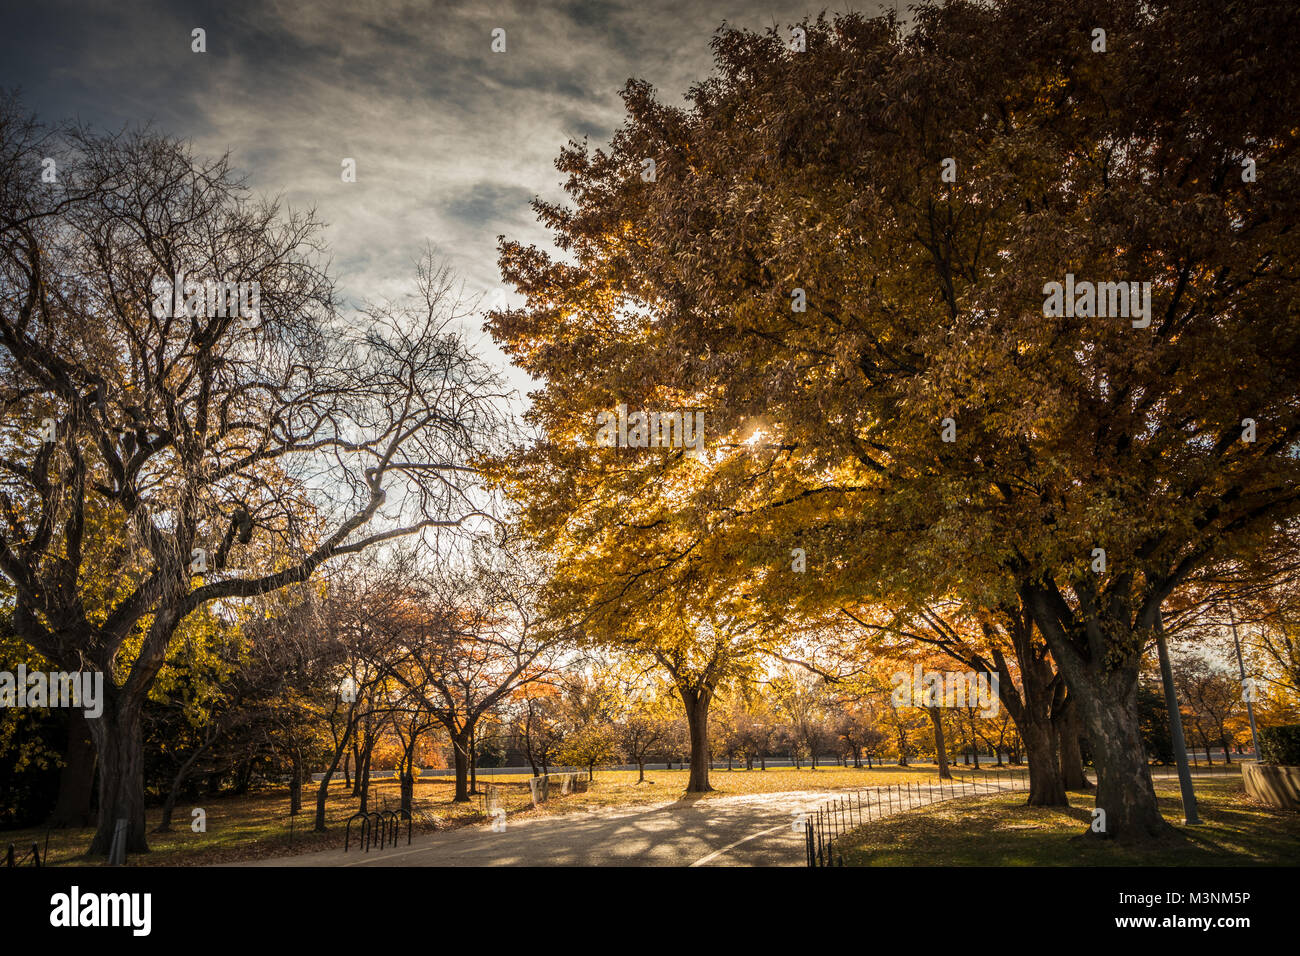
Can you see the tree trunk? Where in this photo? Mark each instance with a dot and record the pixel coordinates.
(363, 776)
(168, 808)
(460, 757)
(1105, 691)
(356, 763)
(408, 792)
(902, 747)
(640, 766)
(473, 763)
(1032, 712)
(406, 778)
(323, 791)
(1046, 788)
(77, 778)
(295, 785)
(120, 745)
(1068, 727)
(697, 719)
(941, 752)
(245, 777)
(528, 743)
(169, 805)
(1124, 789)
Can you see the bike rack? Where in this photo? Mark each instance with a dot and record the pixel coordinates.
(377, 827)
(365, 829)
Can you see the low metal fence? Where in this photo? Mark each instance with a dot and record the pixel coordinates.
(825, 826)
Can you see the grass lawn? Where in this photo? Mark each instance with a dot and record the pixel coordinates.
(258, 825)
(619, 787)
(1000, 831)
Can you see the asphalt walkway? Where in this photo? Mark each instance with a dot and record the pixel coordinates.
(741, 830)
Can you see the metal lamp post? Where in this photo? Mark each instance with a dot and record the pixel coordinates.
(1247, 693)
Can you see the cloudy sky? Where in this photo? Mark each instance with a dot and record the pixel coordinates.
(451, 140)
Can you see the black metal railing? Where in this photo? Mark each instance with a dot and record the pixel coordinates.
(825, 826)
(34, 854)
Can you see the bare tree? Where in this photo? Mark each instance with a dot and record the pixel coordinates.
(212, 452)
(479, 642)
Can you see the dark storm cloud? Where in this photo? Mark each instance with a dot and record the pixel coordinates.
(450, 139)
(489, 203)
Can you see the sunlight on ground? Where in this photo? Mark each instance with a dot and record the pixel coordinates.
(1001, 831)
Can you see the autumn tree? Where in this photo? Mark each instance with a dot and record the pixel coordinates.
(844, 258)
(363, 632)
(999, 641)
(640, 710)
(756, 728)
(478, 640)
(800, 696)
(538, 724)
(1211, 696)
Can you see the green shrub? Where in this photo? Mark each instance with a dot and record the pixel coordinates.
(1280, 745)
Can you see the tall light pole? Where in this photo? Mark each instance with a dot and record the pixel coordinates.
(1176, 726)
(1247, 693)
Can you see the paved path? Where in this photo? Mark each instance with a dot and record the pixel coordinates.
(743, 830)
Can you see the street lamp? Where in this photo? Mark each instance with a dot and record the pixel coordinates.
(1190, 816)
(1246, 692)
